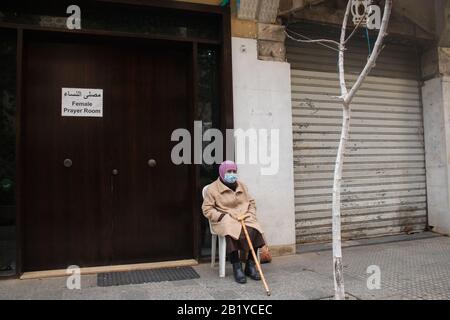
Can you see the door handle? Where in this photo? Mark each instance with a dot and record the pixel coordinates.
(68, 163)
(152, 163)
(114, 173)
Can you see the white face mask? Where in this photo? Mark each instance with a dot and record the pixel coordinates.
(230, 178)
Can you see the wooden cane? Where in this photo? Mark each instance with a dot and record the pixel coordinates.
(258, 265)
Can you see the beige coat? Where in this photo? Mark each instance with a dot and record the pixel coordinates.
(221, 199)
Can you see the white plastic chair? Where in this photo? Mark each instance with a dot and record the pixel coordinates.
(222, 246)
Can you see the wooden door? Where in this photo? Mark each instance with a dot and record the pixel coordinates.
(153, 220)
(110, 206)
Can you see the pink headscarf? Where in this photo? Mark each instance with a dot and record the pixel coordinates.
(225, 166)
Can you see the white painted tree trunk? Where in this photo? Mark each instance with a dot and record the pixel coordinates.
(337, 250)
(347, 98)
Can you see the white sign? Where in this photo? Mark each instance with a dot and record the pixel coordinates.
(82, 102)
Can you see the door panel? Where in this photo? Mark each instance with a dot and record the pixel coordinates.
(66, 208)
(85, 215)
(154, 222)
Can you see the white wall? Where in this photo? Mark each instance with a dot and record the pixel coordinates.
(436, 106)
(262, 100)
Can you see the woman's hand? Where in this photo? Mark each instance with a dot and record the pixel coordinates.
(221, 217)
(244, 217)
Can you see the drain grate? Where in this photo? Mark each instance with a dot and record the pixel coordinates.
(146, 276)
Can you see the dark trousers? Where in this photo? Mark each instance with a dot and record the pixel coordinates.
(234, 246)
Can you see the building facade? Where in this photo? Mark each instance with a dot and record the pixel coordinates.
(100, 187)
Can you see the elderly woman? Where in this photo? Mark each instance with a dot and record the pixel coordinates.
(225, 201)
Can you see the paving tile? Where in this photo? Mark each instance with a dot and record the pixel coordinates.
(418, 270)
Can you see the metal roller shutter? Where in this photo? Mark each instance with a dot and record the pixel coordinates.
(384, 186)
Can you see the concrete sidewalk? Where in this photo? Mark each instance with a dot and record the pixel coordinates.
(415, 269)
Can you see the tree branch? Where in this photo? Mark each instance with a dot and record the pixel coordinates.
(308, 40)
(376, 52)
(342, 82)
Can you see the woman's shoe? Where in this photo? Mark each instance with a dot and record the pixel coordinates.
(239, 275)
(250, 270)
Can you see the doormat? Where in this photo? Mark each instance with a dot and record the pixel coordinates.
(111, 279)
